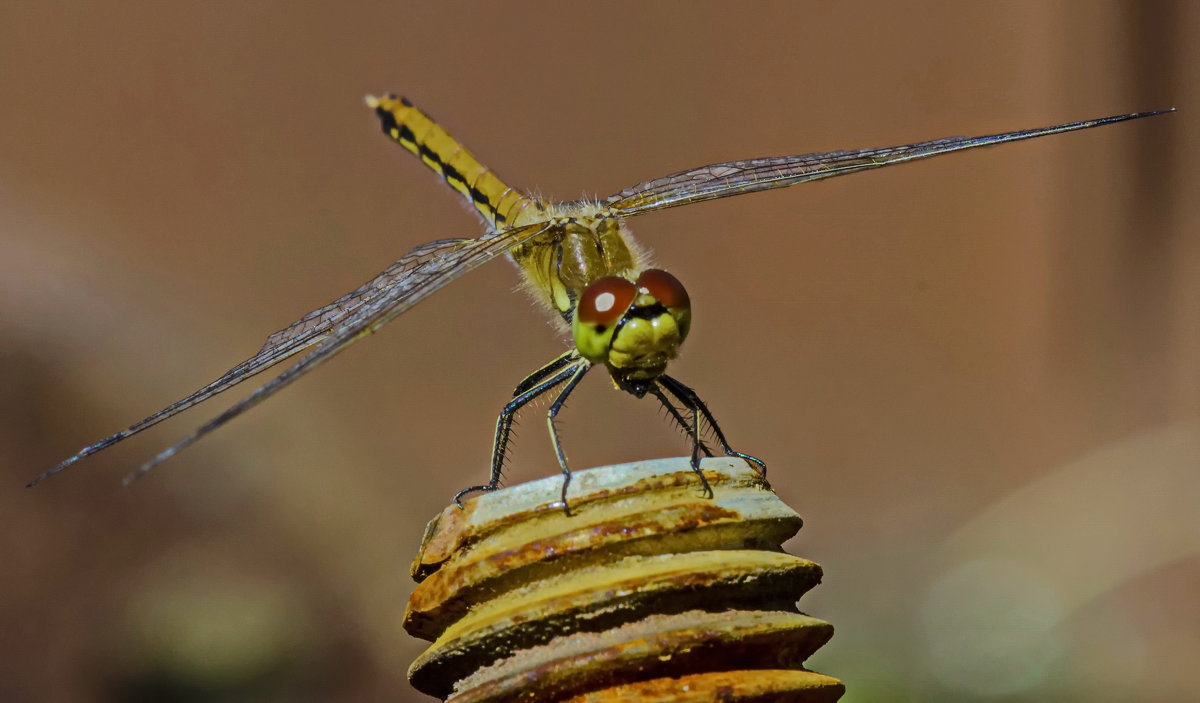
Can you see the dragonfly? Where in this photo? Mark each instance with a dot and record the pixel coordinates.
(578, 259)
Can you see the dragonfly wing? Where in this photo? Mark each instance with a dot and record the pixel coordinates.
(444, 255)
(414, 287)
(311, 328)
(737, 177)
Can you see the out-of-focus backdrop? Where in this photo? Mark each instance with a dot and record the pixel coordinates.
(978, 377)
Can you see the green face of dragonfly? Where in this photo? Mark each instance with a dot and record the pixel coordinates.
(634, 328)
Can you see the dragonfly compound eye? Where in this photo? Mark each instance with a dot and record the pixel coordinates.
(597, 313)
(667, 290)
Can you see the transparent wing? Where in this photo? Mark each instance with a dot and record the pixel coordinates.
(309, 329)
(737, 177)
(333, 327)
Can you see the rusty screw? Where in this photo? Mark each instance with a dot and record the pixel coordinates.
(648, 591)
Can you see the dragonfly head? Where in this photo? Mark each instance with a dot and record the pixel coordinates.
(632, 327)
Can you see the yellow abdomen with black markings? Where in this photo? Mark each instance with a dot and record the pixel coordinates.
(500, 205)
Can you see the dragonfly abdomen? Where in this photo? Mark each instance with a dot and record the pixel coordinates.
(500, 205)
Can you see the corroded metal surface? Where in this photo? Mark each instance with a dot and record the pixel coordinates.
(646, 585)
(776, 685)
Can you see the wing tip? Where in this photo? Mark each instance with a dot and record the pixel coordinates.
(83, 454)
(57, 468)
(1152, 113)
(130, 478)
(1135, 115)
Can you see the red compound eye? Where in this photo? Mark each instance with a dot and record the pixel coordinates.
(665, 288)
(605, 300)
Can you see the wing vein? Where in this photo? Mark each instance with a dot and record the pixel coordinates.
(331, 328)
(752, 175)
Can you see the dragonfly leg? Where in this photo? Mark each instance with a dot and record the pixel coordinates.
(688, 397)
(526, 392)
(578, 372)
(674, 413)
(532, 379)
(697, 444)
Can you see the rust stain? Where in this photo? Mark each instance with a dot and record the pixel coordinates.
(753, 685)
(444, 584)
(647, 592)
(682, 644)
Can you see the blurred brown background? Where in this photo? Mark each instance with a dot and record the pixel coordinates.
(977, 377)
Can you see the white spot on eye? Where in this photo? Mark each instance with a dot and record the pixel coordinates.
(605, 302)
(644, 290)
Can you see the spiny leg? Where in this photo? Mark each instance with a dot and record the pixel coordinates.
(674, 413)
(532, 379)
(504, 425)
(688, 397)
(557, 405)
(504, 422)
(693, 429)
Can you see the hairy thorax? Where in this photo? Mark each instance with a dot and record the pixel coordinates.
(582, 243)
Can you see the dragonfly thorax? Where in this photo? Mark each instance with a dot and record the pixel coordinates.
(578, 248)
(632, 327)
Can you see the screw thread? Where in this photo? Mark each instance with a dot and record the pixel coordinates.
(647, 591)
